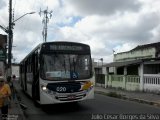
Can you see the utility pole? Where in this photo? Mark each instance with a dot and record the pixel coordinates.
(45, 21)
(9, 31)
(10, 35)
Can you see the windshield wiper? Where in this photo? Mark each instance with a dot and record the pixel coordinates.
(64, 64)
(74, 65)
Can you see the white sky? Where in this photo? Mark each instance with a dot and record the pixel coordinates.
(105, 25)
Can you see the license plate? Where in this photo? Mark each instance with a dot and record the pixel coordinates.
(71, 96)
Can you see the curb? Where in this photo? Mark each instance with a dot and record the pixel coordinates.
(22, 117)
(21, 113)
(120, 96)
(156, 104)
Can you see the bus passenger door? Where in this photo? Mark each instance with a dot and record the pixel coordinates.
(35, 84)
(25, 76)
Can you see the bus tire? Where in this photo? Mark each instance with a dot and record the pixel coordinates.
(36, 104)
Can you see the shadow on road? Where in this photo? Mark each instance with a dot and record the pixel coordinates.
(64, 108)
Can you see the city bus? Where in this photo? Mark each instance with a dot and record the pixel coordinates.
(58, 72)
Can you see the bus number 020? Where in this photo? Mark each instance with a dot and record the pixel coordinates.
(61, 89)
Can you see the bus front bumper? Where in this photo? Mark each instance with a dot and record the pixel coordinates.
(55, 98)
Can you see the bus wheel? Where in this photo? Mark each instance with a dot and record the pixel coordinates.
(37, 104)
(34, 100)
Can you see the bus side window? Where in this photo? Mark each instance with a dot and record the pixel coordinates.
(36, 61)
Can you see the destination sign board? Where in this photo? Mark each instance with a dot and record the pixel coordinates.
(66, 47)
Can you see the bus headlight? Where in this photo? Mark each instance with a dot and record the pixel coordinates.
(44, 88)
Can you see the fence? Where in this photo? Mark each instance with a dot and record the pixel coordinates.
(129, 82)
(151, 83)
(132, 83)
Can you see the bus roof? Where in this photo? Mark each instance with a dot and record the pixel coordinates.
(60, 42)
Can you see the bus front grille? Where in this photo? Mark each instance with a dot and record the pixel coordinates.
(68, 97)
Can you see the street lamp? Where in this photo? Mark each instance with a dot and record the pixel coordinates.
(10, 34)
(21, 17)
(6, 29)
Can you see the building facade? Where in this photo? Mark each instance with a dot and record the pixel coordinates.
(137, 69)
(15, 70)
(3, 65)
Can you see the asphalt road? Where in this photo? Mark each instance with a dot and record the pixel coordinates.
(98, 109)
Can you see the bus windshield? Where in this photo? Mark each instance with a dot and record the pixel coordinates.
(65, 66)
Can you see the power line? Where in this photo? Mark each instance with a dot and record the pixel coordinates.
(45, 21)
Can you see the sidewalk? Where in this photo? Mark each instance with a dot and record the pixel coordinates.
(15, 112)
(142, 97)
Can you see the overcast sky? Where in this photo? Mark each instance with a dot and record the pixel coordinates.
(105, 25)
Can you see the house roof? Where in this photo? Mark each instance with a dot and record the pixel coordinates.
(139, 47)
(156, 45)
(133, 62)
(125, 63)
(152, 62)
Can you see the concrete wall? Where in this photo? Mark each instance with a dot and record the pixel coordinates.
(132, 83)
(137, 54)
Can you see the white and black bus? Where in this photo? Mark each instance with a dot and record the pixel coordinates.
(57, 72)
